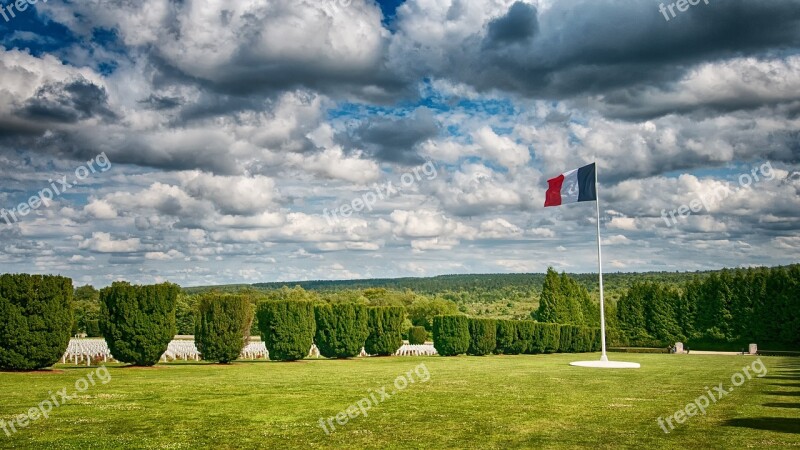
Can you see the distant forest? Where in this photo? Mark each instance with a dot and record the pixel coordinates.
(711, 308)
(529, 282)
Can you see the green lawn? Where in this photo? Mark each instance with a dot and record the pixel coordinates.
(468, 402)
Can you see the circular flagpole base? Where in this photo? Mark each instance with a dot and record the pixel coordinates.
(606, 364)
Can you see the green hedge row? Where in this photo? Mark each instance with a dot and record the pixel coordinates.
(35, 320)
(451, 335)
(222, 326)
(137, 321)
(340, 330)
(287, 328)
(385, 326)
(455, 335)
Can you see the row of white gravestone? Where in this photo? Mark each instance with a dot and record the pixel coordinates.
(752, 349)
(87, 351)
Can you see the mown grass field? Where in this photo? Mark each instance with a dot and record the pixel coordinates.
(495, 402)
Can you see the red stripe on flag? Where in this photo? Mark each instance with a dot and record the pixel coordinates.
(553, 196)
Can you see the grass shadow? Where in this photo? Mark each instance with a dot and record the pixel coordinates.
(779, 424)
(782, 405)
(782, 377)
(784, 394)
(787, 385)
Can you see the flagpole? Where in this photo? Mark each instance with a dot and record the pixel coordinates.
(603, 357)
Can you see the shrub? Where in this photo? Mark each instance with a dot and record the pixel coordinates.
(287, 328)
(341, 329)
(568, 335)
(35, 320)
(525, 336)
(385, 324)
(550, 337)
(539, 338)
(575, 339)
(223, 326)
(451, 335)
(506, 336)
(138, 322)
(483, 336)
(417, 335)
(589, 339)
(597, 343)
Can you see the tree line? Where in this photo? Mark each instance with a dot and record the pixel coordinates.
(139, 321)
(726, 309)
(729, 308)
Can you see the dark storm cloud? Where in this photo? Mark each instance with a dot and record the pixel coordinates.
(392, 139)
(618, 47)
(67, 103)
(519, 24)
(161, 102)
(252, 73)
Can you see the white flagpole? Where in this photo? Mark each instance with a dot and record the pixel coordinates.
(604, 362)
(603, 357)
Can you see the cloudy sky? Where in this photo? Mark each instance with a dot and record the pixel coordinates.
(213, 137)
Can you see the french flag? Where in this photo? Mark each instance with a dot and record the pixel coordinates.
(578, 185)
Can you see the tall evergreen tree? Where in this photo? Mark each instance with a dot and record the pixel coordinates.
(342, 329)
(551, 302)
(575, 298)
(385, 325)
(661, 318)
(35, 320)
(287, 328)
(138, 322)
(631, 315)
(223, 326)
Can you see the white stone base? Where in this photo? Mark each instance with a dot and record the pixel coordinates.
(606, 364)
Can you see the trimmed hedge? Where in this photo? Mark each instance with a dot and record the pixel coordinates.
(417, 335)
(451, 335)
(551, 334)
(35, 320)
(223, 326)
(540, 331)
(575, 339)
(384, 324)
(506, 337)
(137, 321)
(287, 328)
(341, 329)
(483, 336)
(566, 343)
(511, 337)
(526, 336)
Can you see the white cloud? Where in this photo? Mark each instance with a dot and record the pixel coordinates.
(103, 243)
(234, 195)
(164, 256)
(501, 148)
(100, 209)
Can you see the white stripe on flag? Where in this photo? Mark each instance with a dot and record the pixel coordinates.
(570, 187)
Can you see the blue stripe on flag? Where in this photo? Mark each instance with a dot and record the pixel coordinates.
(588, 190)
